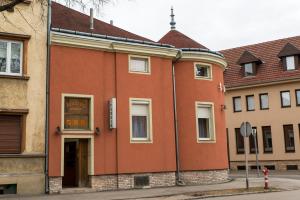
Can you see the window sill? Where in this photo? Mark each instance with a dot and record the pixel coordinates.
(66, 132)
(206, 141)
(31, 155)
(203, 78)
(23, 77)
(132, 141)
(141, 73)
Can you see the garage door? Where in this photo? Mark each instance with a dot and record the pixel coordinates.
(10, 134)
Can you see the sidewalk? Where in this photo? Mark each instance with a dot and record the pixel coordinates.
(167, 193)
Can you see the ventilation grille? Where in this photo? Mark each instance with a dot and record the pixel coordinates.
(141, 181)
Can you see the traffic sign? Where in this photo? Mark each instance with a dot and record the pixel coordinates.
(246, 129)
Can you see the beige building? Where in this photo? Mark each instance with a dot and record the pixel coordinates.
(23, 34)
(263, 88)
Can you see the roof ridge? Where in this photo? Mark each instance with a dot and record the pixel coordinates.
(261, 43)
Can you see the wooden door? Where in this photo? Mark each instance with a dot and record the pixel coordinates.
(83, 163)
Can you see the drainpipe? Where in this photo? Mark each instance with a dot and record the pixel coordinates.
(47, 99)
(178, 178)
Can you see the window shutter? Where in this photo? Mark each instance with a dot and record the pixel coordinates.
(284, 63)
(10, 134)
(139, 109)
(204, 112)
(296, 62)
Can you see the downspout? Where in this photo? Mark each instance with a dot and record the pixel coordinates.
(47, 99)
(178, 178)
(116, 130)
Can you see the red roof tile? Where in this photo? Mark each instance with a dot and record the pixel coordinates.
(67, 18)
(269, 71)
(179, 40)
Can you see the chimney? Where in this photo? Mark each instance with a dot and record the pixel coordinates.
(111, 22)
(91, 19)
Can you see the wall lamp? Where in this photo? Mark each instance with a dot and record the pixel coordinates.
(223, 107)
(58, 130)
(97, 131)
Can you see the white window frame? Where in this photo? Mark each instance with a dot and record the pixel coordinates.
(130, 57)
(212, 128)
(91, 119)
(143, 101)
(210, 74)
(291, 61)
(8, 57)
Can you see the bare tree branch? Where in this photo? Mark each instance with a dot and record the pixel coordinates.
(8, 5)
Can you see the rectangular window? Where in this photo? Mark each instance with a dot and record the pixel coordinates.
(252, 142)
(10, 134)
(139, 64)
(289, 138)
(239, 142)
(290, 63)
(11, 53)
(205, 121)
(250, 103)
(203, 71)
(267, 139)
(285, 99)
(237, 104)
(264, 101)
(249, 69)
(297, 93)
(140, 114)
(77, 113)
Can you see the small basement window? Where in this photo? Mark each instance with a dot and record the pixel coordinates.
(8, 189)
(292, 167)
(270, 167)
(141, 181)
(255, 167)
(241, 167)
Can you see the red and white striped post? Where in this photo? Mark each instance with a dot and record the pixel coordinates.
(266, 175)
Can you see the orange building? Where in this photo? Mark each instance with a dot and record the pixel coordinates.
(127, 112)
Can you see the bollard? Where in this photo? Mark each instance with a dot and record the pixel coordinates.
(266, 175)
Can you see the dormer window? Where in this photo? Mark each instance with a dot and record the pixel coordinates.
(249, 63)
(290, 63)
(249, 69)
(289, 56)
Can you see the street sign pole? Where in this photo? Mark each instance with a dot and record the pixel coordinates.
(246, 131)
(246, 160)
(256, 151)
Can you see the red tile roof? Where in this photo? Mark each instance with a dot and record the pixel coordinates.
(179, 40)
(67, 18)
(270, 70)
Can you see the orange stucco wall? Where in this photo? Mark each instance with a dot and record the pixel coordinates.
(194, 155)
(92, 72)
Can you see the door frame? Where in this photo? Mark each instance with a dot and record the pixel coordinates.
(90, 151)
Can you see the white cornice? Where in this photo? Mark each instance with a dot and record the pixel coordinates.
(79, 41)
(204, 57)
(110, 45)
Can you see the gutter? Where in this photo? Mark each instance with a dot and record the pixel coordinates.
(47, 99)
(178, 177)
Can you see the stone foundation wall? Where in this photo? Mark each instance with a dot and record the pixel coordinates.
(279, 165)
(204, 177)
(55, 185)
(126, 181)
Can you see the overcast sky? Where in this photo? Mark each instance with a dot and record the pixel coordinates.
(217, 24)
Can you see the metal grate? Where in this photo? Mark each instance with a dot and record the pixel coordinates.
(141, 181)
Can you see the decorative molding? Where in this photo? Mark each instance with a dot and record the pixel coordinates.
(14, 36)
(13, 111)
(205, 57)
(249, 85)
(72, 40)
